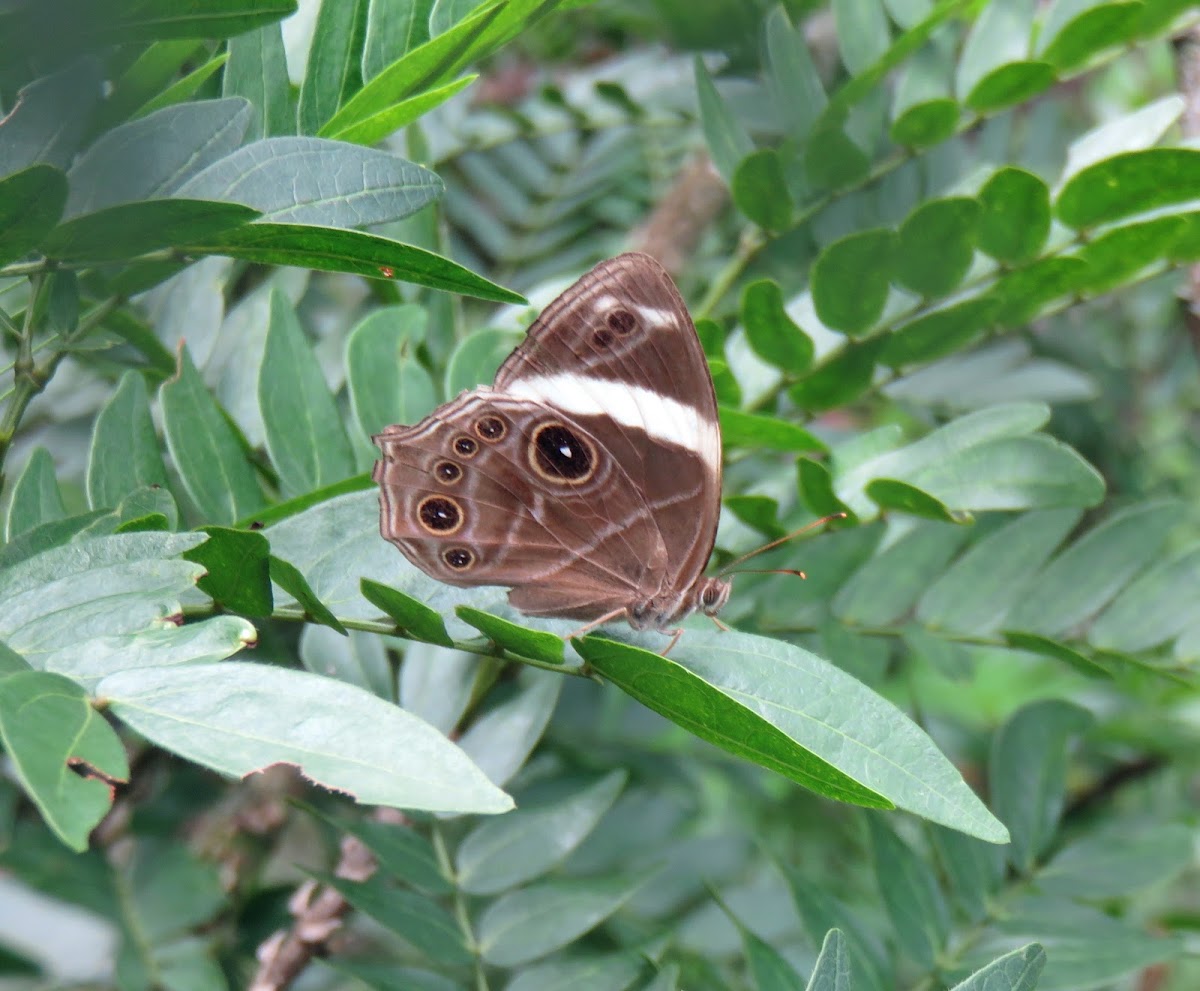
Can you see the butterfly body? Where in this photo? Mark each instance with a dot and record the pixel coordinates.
(587, 478)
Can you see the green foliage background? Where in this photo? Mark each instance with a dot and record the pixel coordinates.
(934, 262)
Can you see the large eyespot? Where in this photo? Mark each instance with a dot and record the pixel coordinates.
(622, 321)
(559, 454)
(491, 428)
(447, 472)
(439, 515)
(458, 558)
(466, 446)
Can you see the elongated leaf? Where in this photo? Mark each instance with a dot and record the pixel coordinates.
(910, 894)
(31, 203)
(65, 754)
(1129, 183)
(387, 383)
(36, 498)
(51, 115)
(787, 709)
(124, 454)
(520, 640)
(527, 924)
(394, 28)
(728, 142)
(239, 718)
(501, 853)
(333, 73)
(1015, 971)
(412, 616)
(1027, 772)
(793, 80)
(305, 437)
(503, 737)
(257, 71)
(378, 126)
(832, 969)
(751, 430)
(333, 250)
(1154, 609)
(761, 192)
(297, 180)
(586, 972)
(205, 450)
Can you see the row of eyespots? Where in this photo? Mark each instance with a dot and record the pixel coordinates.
(620, 322)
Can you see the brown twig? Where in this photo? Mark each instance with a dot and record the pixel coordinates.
(674, 229)
(1187, 63)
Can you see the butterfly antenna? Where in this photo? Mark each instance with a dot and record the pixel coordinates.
(775, 543)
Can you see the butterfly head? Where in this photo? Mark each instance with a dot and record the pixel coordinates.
(662, 612)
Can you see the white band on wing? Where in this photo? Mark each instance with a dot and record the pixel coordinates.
(633, 406)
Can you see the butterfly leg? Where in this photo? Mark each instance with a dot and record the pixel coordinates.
(588, 627)
(723, 627)
(675, 635)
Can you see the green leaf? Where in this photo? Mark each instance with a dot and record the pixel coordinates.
(504, 852)
(938, 333)
(1016, 215)
(401, 851)
(147, 77)
(1074, 30)
(1119, 255)
(832, 160)
(386, 976)
(994, 70)
(839, 379)
(889, 494)
(1027, 770)
(419, 919)
(31, 203)
(476, 359)
(438, 684)
(378, 126)
(387, 383)
(289, 578)
(584, 972)
(1015, 971)
(771, 972)
(1059, 651)
(887, 586)
(937, 245)
(1129, 183)
(52, 115)
(973, 869)
(257, 71)
(501, 740)
(863, 33)
(831, 972)
(1154, 609)
(65, 754)
(394, 28)
(131, 229)
(910, 894)
(124, 454)
(1084, 578)
(1025, 292)
(332, 250)
(760, 190)
(816, 489)
(333, 72)
(754, 430)
(821, 912)
(239, 718)
(524, 925)
(519, 640)
(238, 576)
(146, 20)
(771, 333)
(305, 437)
(36, 498)
(1118, 861)
(757, 511)
(850, 280)
(786, 709)
(975, 594)
(726, 137)
(205, 450)
(411, 616)
(924, 111)
(792, 79)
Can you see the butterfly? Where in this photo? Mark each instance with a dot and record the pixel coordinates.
(587, 477)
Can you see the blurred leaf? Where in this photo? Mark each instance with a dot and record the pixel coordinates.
(476, 359)
(387, 383)
(938, 333)
(1154, 609)
(520, 640)
(822, 913)
(832, 160)
(131, 229)
(974, 595)
(1026, 772)
(757, 511)
(910, 894)
(585, 972)
(333, 250)
(850, 280)
(1024, 292)
(1074, 30)
(296, 180)
(763, 695)
(333, 74)
(816, 489)
(257, 71)
(1129, 183)
(1015, 971)
(863, 32)
(937, 245)
(238, 576)
(889, 494)
(205, 712)
(772, 334)
(760, 190)
(502, 738)
(1016, 215)
(124, 454)
(1116, 862)
(504, 852)
(840, 379)
(791, 77)
(305, 437)
(438, 683)
(1059, 651)
(36, 498)
(31, 203)
(51, 116)
(205, 450)
(753, 430)
(728, 142)
(523, 925)
(924, 111)
(972, 868)
(65, 754)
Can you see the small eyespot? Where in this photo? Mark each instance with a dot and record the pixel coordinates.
(559, 454)
(439, 515)
(603, 338)
(458, 558)
(491, 428)
(622, 321)
(466, 446)
(447, 472)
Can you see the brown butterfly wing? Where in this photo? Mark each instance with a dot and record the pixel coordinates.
(619, 351)
(471, 503)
